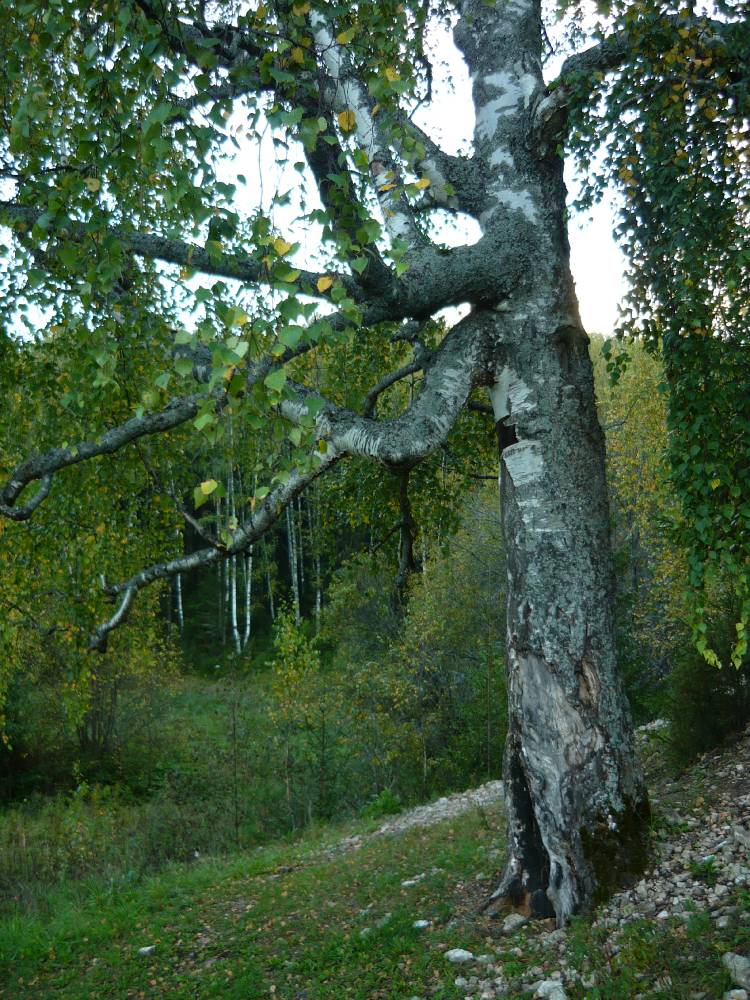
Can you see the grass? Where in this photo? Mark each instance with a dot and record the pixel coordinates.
(297, 922)
(282, 921)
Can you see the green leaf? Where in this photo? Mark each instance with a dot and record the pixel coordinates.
(204, 420)
(275, 380)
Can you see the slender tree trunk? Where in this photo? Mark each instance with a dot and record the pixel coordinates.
(575, 799)
(293, 573)
(178, 602)
(407, 528)
(248, 581)
(300, 546)
(314, 535)
(232, 526)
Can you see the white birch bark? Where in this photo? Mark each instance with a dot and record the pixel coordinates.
(248, 581)
(232, 523)
(293, 573)
(178, 602)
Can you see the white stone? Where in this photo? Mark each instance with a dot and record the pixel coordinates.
(409, 882)
(738, 967)
(419, 925)
(147, 950)
(458, 955)
(550, 989)
(513, 921)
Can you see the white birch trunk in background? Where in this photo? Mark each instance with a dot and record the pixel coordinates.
(248, 581)
(232, 527)
(293, 574)
(178, 602)
(312, 524)
(269, 581)
(297, 517)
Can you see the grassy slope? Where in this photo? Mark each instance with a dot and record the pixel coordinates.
(285, 922)
(269, 923)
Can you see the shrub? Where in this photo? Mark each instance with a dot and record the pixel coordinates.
(707, 704)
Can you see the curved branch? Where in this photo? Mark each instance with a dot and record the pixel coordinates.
(371, 399)
(274, 504)
(190, 255)
(98, 640)
(24, 513)
(44, 466)
(457, 366)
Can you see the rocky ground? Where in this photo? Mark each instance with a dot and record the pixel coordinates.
(701, 860)
(434, 812)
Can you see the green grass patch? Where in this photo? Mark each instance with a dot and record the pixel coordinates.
(282, 921)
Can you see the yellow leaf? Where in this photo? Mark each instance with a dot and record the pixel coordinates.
(347, 120)
(392, 74)
(422, 183)
(281, 246)
(301, 8)
(297, 55)
(344, 37)
(387, 187)
(93, 184)
(208, 487)
(324, 283)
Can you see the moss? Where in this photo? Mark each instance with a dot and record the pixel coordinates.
(618, 853)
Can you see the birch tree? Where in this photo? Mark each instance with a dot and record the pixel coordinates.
(124, 156)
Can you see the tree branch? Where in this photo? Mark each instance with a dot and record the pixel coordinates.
(456, 367)
(42, 467)
(371, 399)
(189, 255)
(345, 92)
(577, 78)
(245, 536)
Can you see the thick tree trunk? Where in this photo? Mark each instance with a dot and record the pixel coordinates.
(575, 799)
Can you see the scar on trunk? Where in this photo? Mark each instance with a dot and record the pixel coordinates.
(524, 883)
(571, 343)
(506, 434)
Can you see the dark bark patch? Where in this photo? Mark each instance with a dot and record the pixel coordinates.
(618, 848)
(506, 434)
